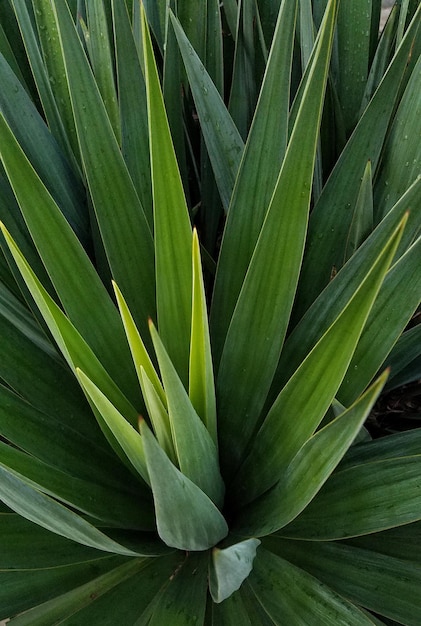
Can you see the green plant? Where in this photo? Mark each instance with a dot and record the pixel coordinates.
(154, 468)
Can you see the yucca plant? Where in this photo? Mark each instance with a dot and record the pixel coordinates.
(156, 468)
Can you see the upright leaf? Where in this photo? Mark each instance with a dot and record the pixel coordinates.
(309, 469)
(186, 518)
(302, 403)
(122, 223)
(255, 182)
(201, 382)
(223, 141)
(331, 217)
(172, 230)
(263, 308)
(196, 451)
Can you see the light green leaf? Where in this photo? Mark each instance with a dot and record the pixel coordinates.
(129, 440)
(196, 452)
(389, 586)
(302, 403)
(263, 308)
(309, 469)
(140, 355)
(256, 179)
(291, 596)
(186, 518)
(223, 141)
(201, 382)
(122, 223)
(362, 499)
(230, 567)
(172, 229)
(43, 510)
(158, 415)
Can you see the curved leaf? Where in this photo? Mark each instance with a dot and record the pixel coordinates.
(186, 518)
(230, 567)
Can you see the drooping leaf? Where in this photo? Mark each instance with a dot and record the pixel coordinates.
(186, 518)
(230, 567)
(83, 495)
(27, 546)
(22, 590)
(65, 605)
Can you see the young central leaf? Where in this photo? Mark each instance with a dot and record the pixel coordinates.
(186, 518)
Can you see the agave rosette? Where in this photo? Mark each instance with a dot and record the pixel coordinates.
(182, 423)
